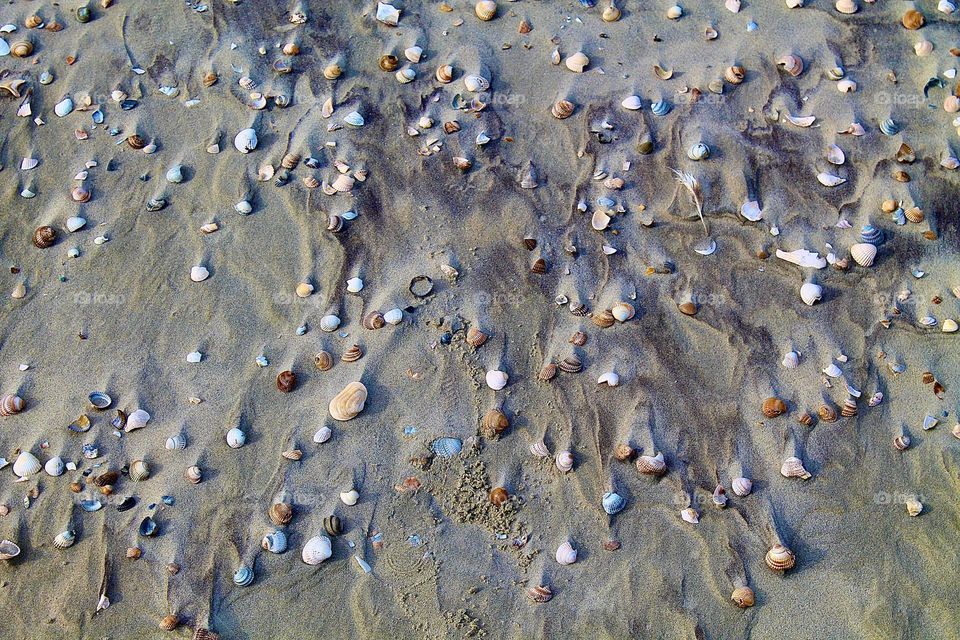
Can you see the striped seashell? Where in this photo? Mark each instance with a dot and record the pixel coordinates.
(493, 423)
(280, 513)
(243, 576)
(292, 454)
(901, 442)
(323, 361)
(734, 74)
(539, 266)
(193, 474)
(178, 441)
(914, 214)
(652, 465)
(540, 594)
(564, 461)
(332, 525)
(352, 354)
(578, 339)
(444, 74)
(827, 413)
(780, 558)
(44, 237)
(792, 467)
(539, 449)
(334, 224)
(863, 253)
(603, 319)
(773, 407)
(849, 408)
(791, 64)
(623, 311)
(547, 373)
(26, 465)
(11, 405)
(475, 337)
(579, 309)
(139, 471)
(290, 161)
(571, 364)
(805, 419)
(348, 403)
(562, 109)
(106, 479)
(311, 182)
(374, 320)
(65, 539)
(742, 486)
(286, 381)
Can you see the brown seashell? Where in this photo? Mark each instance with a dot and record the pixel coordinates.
(209, 79)
(901, 442)
(912, 20)
(805, 419)
(623, 452)
(32, 22)
(205, 634)
(780, 558)
(374, 320)
(290, 161)
(743, 597)
(539, 266)
(444, 74)
(652, 465)
(475, 337)
(493, 423)
(540, 594)
(173, 568)
(773, 407)
(107, 490)
(734, 74)
(169, 623)
(80, 194)
(389, 62)
(901, 176)
(687, 308)
(54, 27)
(323, 361)
(499, 496)
(562, 109)
(44, 237)
(311, 182)
(76, 487)
(291, 49)
(332, 525)
(21, 49)
(927, 377)
(348, 404)
(193, 474)
(411, 483)
(914, 214)
(11, 405)
(905, 154)
(280, 513)
(352, 354)
(827, 413)
(286, 381)
(849, 408)
(603, 319)
(611, 545)
(136, 142)
(547, 373)
(792, 64)
(530, 243)
(579, 339)
(332, 71)
(104, 479)
(134, 552)
(451, 126)
(462, 163)
(292, 454)
(571, 364)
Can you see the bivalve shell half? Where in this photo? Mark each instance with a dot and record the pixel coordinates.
(742, 486)
(652, 465)
(566, 554)
(564, 461)
(176, 442)
(65, 539)
(347, 404)
(773, 407)
(792, 467)
(139, 471)
(577, 62)
(863, 254)
(562, 109)
(494, 423)
(316, 550)
(26, 465)
(780, 558)
(11, 405)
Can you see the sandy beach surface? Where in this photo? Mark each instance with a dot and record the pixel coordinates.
(531, 228)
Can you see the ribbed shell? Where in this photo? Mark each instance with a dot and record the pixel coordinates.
(493, 423)
(316, 550)
(652, 465)
(274, 542)
(193, 475)
(562, 109)
(139, 471)
(743, 597)
(64, 539)
(178, 441)
(571, 364)
(280, 513)
(352, 354)
(792, 467)
(603, 319)
(742, 486)
(44, 237)
(11, 405)
(290, 161)
(623, 452)
(540, 594)
(539, 449)
(374, 320)
(849, 408)
(780, 558)
(827, 413)
(901, 442)
(564, 461)
(773, 407)
(323, 361)
(547, 373)
(332, 525)
(348, 403)
(475, 337)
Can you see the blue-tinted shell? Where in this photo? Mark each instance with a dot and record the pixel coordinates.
(613, 502)
(899, 217)
(605, 202)
(148, 526)
(275, 541)
(872, 235)
(243, 576)
(660, 108)
(889, 127)
(447, 447)
(90, 505)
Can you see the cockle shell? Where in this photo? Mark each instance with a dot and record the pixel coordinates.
(780, 558)
(742, 486)
(577, 62)
(280, 513)
(791, 360)
(475, 337)
(496, 380)
(8, 550)
(447, 447)
(236, 438)
(26, 465)
(11, 405)
(792, 467)
(136, 420)
(139, 471)
(193, 474)
(562, 109)
(486, 9)
(810, 293)
(564, 461)
(322, 435)
(566, 554)
(791, 64)
(316, 550)
(329, 323)
(734, 74)
(64, 539)
(846, 6)
(475, 83)
(632, 103)
(540, 594)
(652, 465)
(623, 311)
(863, 253)
(176, 442)
(275, 541)
(347, 404)
(613, 503)
(246, 141)
(773, 407)
(539, 449)
(743, 597)
(54, 466)
(373, 320)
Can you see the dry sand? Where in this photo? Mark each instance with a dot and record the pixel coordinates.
(691, 387)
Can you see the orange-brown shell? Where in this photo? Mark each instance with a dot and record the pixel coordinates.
(475, 337)
(323, 361)
(827, 413)
(623, 452)
(912, 20)
(280, 513)
(169, 623)
(493, 423)
(547, 373)
(773, 407)
(352, 354)
(743, 597)
(603, 319)
(499, 496)
(374, 320)
(286, 381)
(44, 237)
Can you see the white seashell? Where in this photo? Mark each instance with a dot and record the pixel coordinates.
(801, 121)
(846, 86)
(28, 163)
(26, 465)
(833, 370)
(349, 498)
(949, 326)
(946, 6)
(236, 438)
(949, 162)
(75, 223)
(632, 103)
(675, 12)
(733, 6)
(835, 155)
(564, 461)
(690, 515)
(354, 285)
(539, 449)
(329, 323)
(863, 253)
(388, 14)
(810, 293)
(413, 54)
(751, 210)
(802, 258)
(622, 311)
(791, 360)
(137, 420)
(475, 83)
(923, 48)
(275, 541)
(243, 207)
(577, 62)
(354, 119)
(599, 221)
(566, 554)
(64, 107)
(194, 357)
(610, 378)
(830, 180)
(394, 316)
(246, 141)
(316, 550)
(178, 441)
(496, 380)
(405, 75)
(54, 466)
(742, 486)
(322, 435)
(914, 506)
(199, 273)
(64, 539)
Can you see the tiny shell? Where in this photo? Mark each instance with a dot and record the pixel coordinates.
(136, 420)
(64, 539)
(350, 498)
(494, 423)
(447, 447)
(652, 465)
(322, 435)
(564, 461)
(236, 438)
(329, 323)
(830, 180)
(577, 62)
(791, 360)
(566, 554)
(54, 466)
(780, 558)
(323, 361)
(613, 503)
(246, 141)
(773, 407)
(193, 474)
(914, 506)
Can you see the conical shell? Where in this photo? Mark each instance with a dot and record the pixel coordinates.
(348, 403)
(193, 474)
(564, 461)
(780, 558)
(323, 361)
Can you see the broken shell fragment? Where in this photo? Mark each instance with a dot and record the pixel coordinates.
(792, 467)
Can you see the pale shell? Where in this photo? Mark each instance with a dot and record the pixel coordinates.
(830, 180)
(136, 420)
(322, 435)
(577, 62)
(539, 449)
(54, 466)
(316, 550)
(566, 554)
(347, 404)
(275, 541)
(791, 360)
(863, 254)
(329, 323)
(139, 471)
(475, 83)
(792, 467)
(349, 498)
(835, 155)
(690, 515)
(914, 506)
(632, 103)
(26, 465)
(610, 379)
(236, 438)
(178, 441)
(810, 293)
(64, 539)
(564, 461)
(496, 380)
(246, 141)
(742, 486)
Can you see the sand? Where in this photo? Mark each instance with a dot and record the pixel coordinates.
(123, 316)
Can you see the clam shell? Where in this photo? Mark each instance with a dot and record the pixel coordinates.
(332, 525)
(547, 373)
(734, 74)
(447, 447)
(274, 542)
(652, 465)
(486, 9)
(8, 550)
(496, 380)
(322, 435)
(352, 354)
(632, 103)
(577, 62)
(444, 74)
(54, 466)
(475, 83)
(690, 515)
(540, 594)
(571, 364)
(176, 442)
(475, 337)
(566, 554)
(791, 64)
(236, 438)
(373, 320)
(564, 461)
(348, 403)
(148, 527)
(493, 423)
(791, 360)
(100, 400)
(863, 253)
(773, 407)
(280, 513)
(329, 323)
(792, 467)
(193, 474)
(394, 316)
(742, 486)
(11, 405)
(613, 503)
(139, 471)
(830, 180)
(780, 558)
(245, 141)
(810, 293)
(316, 550)
(835, 155)
(64, 539)
(350, 498)
(26, 465)
(562, 109)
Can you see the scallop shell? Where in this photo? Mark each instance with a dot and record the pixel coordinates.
(65, 539)
(494, 423)
(562, 109)
(316, 550)
(136, 420)
(742, 486)
(275, 541)
(863, 254)
(26, 465)
(792, 467)
(914, 214)
(193, 474)
(577, 62)
(810, 293)
(178, 441)
(564, 461)
(566, 554)
(447, 447)
(780, 558)
(773, 407)
(236, 438)
(539, 450)
(139, 471)
(11, 405)
(486, 9)
(348, 403)
(652, 465)
(475, 337)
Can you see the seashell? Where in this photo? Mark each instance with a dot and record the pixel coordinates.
(486, 9)
(540, 594)
(846, 6)
(352, 354)
(660, 108)
(323, 361)
(810, 293)
(622, 311)
(773, 407)
(348, 403)
(274, 542)
(236, 438)
(475, 83)
(632, 103)
(373, 320)
(176, 442)
(316, 550)
(835, 155)
(26, 465)
(613, 503)
(791, 360)
(496, 380)
(11, 405)
(690, 515)
(139, 471)
(564, 461)
(280, 513)
(539, 450)
(827, 413)
(65, 539)
(863, 253)
(562, 109)
(652, 465)
(780, 558)
(349, 498)
(406, 75)
(493, 423)
(687, 308)
(329, 323)
(577, 62)
(912, 20)
(661, 73)
(571, 364)
(914, 506)
(872, 235)
(243, 576)
(830, 180)
(914, 214)
(946, 6)
(603, 319)
(286, 381)
(743, 597)
(332, 525)
(413, 54)
(322, 435)
(623, 452)
(791, 64)
(742, 486)
(175, 174)
(447, 447)
(499, 496)
(136, 420)
(148, 527)
(734, 74)
(193, 474)
(475, 337)
(332, 71)
(889, 128)
(675, 12)
(566, 554)
(444, 74)
(849, 408)
(44, 237)
(343, 183)
(80, 194)
(610, 378)
(33, 21)
(394, 316)
(388, 62)
(246, 141)
(54, 466)
(611, 13)
(792, 467)
(547, 372)
(22, 49)
(8, 550)
(923, 48)
(949, 326)
(698, 151)
(719, 497)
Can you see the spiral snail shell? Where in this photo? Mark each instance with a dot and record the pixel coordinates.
(44, 237)
(493, 423)
(286, 381)
(21, 49)
(374, 320)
